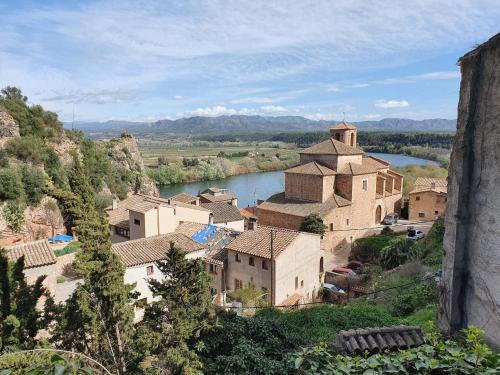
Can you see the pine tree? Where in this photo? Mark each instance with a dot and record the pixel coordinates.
(173, 323)
(98, 318)
(20, 320)
(79, 183)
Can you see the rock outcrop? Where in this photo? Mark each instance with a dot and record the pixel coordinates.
(8, 126)
(126, 154)
(470, 292)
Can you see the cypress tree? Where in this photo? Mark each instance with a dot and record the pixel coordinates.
(20, 320)
(98, 318)
(172, 324)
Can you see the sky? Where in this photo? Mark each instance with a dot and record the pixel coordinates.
(336, 59)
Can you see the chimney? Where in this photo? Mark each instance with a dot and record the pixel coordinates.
(433, 185)
(234, 202)
(197, 202)
(114, 204)
(252, 224)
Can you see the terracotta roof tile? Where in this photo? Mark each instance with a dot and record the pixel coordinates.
(183, 198)
(374, 162)
(375, 340)
(258, 242)
(312, 168)
(333, 147)
(216, 256)
(36, 254)
(279, 203)
(217, 198)
(358, 169)
(344, 125)
(249, 212)
(223, 212)
(152, 249)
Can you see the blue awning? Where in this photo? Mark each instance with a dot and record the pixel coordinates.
(61, 238)
(205, 234)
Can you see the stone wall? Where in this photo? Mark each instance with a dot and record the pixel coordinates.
(470, 292)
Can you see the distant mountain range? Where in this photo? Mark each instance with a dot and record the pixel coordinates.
(251, 124)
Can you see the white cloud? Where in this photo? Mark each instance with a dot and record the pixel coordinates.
(382, 103)
(99, 96)
(453, 74)
(358, 85)
(334, 88)
(178, 97)
(220, 110)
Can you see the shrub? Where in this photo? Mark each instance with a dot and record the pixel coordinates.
(101, 201)
(206, 171)
(72, 247)
(408, 301)
(250, 296)
(11, 185)
(190, 162)
(54, 169)
(313, 223)
(13, 213)
(34, 182)
(166, 174)
(368, 248)
(456, 356)
(29, 149)
(396, 253)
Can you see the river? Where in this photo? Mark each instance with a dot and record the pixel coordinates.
(250, 187)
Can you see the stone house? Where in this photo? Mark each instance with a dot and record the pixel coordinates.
(427, 200)
(283, 264)
(39, 260)
(141, 216)
(349, 190)
(226, 215)
(215, 194)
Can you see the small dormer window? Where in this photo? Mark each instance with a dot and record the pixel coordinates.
(137, 222)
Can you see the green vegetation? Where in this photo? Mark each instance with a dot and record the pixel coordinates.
(464, 355)
(313, 223)
(185, 295)
(72, 247)
(13, 213)
(249, 296)
(369, 248)
(20, 320)
(397, 252)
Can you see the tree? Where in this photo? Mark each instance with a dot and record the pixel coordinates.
(11, 185)
(13, 213)
(79, 183)
(20, 320)
(173, 323)
(396, 253)
(98, 318)
(313, 223)
(34, 181)
(13, 93)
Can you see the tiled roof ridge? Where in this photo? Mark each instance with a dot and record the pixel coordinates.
(149, 239)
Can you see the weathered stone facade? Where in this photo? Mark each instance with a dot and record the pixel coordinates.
(470, 292)
(350, 191)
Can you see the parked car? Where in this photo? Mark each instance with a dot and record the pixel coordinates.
(354, 265)
(415, 235)
(333, 288)
(390, 219)
(344, 271)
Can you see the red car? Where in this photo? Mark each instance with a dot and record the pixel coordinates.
(354, 265)
(344, 271)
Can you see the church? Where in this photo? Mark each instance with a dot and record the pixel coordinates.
(349, 190)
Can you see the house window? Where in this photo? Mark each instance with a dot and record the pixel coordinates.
(137, 222)
(122, 232)
(237, 257)
(365, 184)
(238, 284)
(296, 282)
(213, 291)
(347, 222)
(301, 283)
(251, 262)
(212, 268)
(331, 227)
(421, 214)
(264, 264)
(417, 198)
(149, 270)
(436, 212)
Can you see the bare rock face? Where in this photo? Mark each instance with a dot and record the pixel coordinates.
(470, 293)
(65, 148)
(125, 153)
(8, 126)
